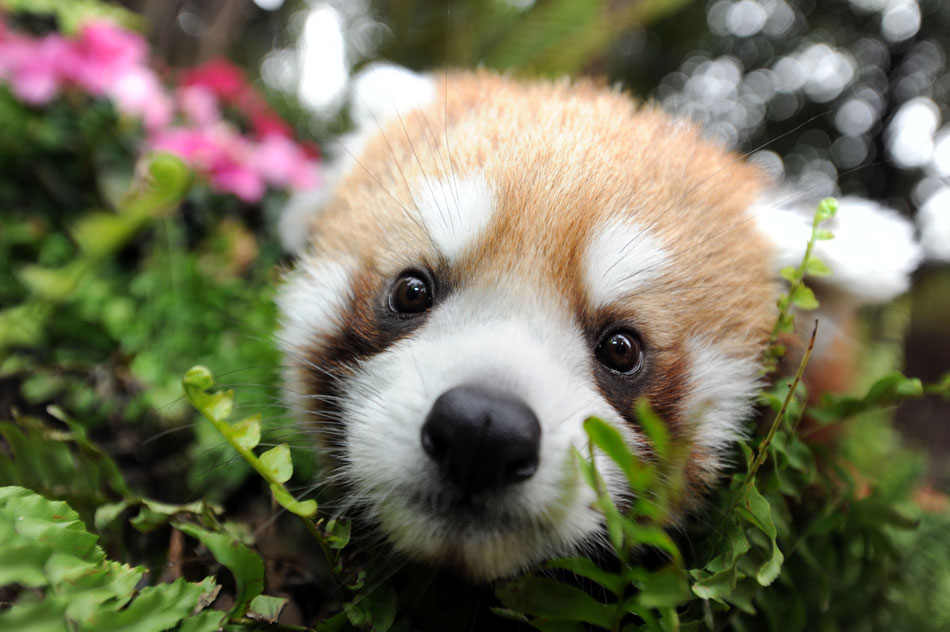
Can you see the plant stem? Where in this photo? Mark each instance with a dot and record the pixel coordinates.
(763, 452)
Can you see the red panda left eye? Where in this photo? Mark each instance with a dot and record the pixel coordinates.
(410, 295)
(620, 351)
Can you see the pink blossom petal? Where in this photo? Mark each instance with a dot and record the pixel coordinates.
(104, 52)
(34, 67)
(138, 93)
(223, 78)
(241, 180)
(199, 104)
(220, 154)
(284, 163)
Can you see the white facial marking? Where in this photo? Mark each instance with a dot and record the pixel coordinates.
(312, 301)
(720, 394)
(871, 256)
(455, 211)
(515, 344)
(621, 258)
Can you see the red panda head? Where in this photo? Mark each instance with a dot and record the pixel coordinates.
(499, 260)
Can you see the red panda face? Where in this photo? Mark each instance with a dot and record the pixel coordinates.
(495, 264)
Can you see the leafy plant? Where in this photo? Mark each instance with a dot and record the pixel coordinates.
(65, 582)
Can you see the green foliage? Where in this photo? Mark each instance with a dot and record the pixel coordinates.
(799, 295)
(553, 37)
(273, 465)
(66, 582)
(61, 464)
(71, 14)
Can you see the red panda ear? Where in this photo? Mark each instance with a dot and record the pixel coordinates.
(380, 93)
(871, 257)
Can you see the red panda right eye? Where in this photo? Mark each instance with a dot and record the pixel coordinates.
(620, 351)
(410, 295)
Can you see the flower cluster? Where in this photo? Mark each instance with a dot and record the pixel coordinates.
(240, 164)
(103, 60)
(106, 61)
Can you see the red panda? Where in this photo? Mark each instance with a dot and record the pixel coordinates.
(495, 260)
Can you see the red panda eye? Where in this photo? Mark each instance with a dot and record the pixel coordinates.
(620, 351)
(410, 295)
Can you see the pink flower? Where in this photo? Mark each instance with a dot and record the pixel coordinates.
(106, 52)
(284, 163)
(108, 61)
(219, 153)
(225, 80)
(137, 93)
(199, 104)
(34, 67)
(266, 123)
(241, 180)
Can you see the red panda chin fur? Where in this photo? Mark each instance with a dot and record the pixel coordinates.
(540, 191)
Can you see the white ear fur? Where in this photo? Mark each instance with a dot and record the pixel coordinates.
(933, 219)
(871, 257)
(381, 92)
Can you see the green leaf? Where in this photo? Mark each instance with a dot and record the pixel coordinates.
(153, 514)
(827, 209)
(823, 234)
(266, 609)
(816, 267)
(245, 565)
(603, 502)
(651, 534)
(162, 180)
(278, 463)
(586, 567)
(755, 509)
(198, 382)
(771, 568)
(887, 391)
(44, 545)
(665, 588)
(717, 585)
(155, 609)
(99, 234)
(32, 529)
(609, 439)
(790, 274)
(109, 513)
(654, 427)
(304, 508)
(338, 533)
(553, 600)
(206, 621)
(803, 298)
(247, 433)
(374, 610)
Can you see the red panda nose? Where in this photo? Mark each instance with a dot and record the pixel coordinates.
(482, 439)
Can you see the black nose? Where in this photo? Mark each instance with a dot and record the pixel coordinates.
(482, 439)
